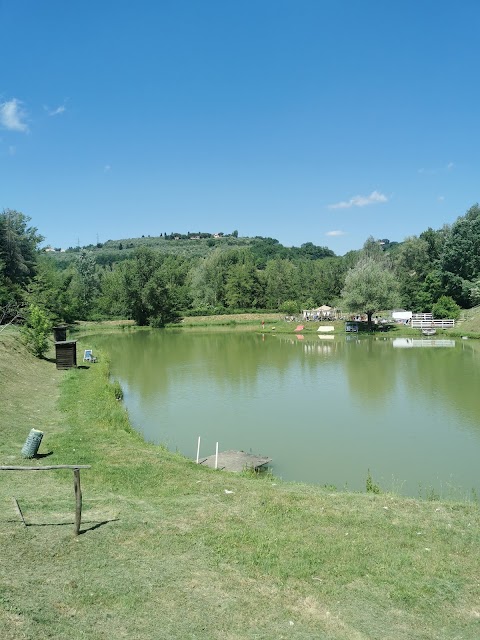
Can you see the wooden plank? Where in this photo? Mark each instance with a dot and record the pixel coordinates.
(18, 510)
(78, 500)
(46, 468)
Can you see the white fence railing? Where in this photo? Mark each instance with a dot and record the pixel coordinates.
(435, 324)
(426, 317)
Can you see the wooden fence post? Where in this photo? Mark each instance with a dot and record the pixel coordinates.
(78, 500)
(76, 485)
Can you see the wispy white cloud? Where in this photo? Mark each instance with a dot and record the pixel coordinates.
(107, 168)
(360, 201)
(432, 172)
(12, 116)
(56, 112)
(441, 198)
(12, 150)
(337, 232)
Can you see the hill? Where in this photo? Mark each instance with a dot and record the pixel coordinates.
(195, 246)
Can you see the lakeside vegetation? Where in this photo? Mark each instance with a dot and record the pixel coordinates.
(155, 281)
(165, 552)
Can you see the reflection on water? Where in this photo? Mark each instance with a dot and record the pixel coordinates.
(405, 343)
(325, 408)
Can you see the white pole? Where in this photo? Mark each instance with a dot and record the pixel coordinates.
(216, 456)
(198, 449)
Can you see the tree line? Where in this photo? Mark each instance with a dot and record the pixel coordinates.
(153, 287)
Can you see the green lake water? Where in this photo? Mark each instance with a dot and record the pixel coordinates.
(326, 409)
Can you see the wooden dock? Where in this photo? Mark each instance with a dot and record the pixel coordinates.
(236, 461)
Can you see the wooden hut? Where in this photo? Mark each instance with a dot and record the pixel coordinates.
(66, 354)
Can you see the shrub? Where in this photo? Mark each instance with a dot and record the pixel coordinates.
(446, 307)
(371, 486)
(290, 307)
(117, 390)
(37, 330)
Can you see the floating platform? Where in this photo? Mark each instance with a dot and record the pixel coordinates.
(236, 461)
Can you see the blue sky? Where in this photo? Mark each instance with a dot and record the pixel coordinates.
(325, 121)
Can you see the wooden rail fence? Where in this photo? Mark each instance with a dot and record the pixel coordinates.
(76, 486)
(436, 324)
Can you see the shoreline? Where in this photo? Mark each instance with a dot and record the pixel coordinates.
(158, 528)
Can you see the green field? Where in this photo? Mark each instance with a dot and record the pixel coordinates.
(166, 552)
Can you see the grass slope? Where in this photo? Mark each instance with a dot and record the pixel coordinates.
(166, 553)
(469, 322)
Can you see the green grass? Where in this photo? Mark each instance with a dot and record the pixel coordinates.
(166, 553)
(468, 324)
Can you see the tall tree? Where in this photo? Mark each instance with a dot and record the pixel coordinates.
(412, 265)
(85, 283)
(208, 279)
(461, 253)
(461, 256)
(111, 300)
(242, 288)
(49, 290)
(322, 280)
(370, 287)
(281, 283)
(18, 252)
(147, 294)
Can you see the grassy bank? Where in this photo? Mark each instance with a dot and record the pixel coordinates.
(260, 323)
(165, 552)
(468, 325)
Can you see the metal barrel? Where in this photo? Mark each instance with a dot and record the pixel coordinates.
(32, 443)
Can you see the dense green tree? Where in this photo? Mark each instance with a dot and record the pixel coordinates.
(369, 287)
(18, 246)
(461, 252)
(326, 281)
(137, 273)
(242, 286)
(291, 307)
(309, 251)
(412, 266)
(204, 290)
(18, 254)
(147, 293)
(433, 285)
(157, 299)
(49, 290)
(460, 261)
(174, 272)
(372, 249)
(281, 283)
(111, 301)
(435, 241)
(213, 280)
(446, 307)
(265, 249)
(475, 292)
(457, 288)
(84, 286)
